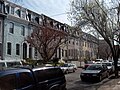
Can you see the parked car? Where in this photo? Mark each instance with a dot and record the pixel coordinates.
(67, 67)
(109, 66)
(45, 78)
(74, 66)
(94, 72)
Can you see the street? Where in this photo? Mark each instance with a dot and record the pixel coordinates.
(74, 82)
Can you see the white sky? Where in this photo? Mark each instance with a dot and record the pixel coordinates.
(55, 9)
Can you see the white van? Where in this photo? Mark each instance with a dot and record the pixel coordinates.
(9, 63)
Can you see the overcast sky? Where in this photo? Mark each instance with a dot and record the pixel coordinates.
(55, 9)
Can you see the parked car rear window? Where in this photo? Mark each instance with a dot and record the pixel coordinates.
(12, 64)
(108, 64)
(47, 74)
(25, 79)
(2, 64)
(8, 82)
(94, 67)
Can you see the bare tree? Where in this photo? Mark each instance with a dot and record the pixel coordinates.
(104, 18)
(46, 40)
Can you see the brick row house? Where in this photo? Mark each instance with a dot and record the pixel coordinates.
(15, 27)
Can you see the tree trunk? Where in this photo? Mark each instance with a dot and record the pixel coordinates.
(116, 66)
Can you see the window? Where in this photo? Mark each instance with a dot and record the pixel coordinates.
(48, 74)
(62, 53)
(18, 12)
(65, 53)
(37, 19)
(26, 79)
(9, 48)
(29, 16)
(12, 10)
(41, 75)
(35, 51)
(17, 49)
(69, 41)
(11, 29)
(23, 14)
(7, 9)
(23, 30)
(73, 42)
(13, 64)
(8, 82)
(69, 52)
(2, 65)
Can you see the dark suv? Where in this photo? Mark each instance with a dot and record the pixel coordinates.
(45, 78)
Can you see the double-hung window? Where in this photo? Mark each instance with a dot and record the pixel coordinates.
(17, 49)
(11, 29)
(9, 47)
(23, 30)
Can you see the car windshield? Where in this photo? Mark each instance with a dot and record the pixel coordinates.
(94, 67)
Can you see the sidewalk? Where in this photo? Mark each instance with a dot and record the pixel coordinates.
(112, 84)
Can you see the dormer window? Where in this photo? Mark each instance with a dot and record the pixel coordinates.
(7, 8)
(37, 19)
(12, 10)
(57, 26)
(51, 23)
(29, 16)
(18, 12)
(23, 14)
(62, 27)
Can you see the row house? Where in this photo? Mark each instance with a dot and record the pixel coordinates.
(90, 47)
(18, 25)
(16, 28)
